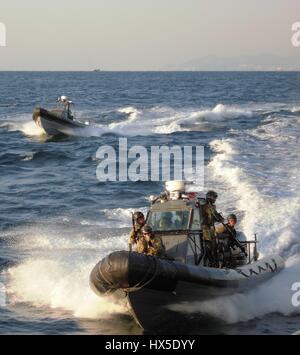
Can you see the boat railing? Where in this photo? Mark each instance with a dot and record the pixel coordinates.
(253, 254)
(196, 243)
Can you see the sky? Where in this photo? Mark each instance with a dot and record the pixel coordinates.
(142, 35)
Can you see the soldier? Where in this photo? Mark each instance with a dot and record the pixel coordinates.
(149, 244)
(223, 232)
(234, 240)
(210, 217)
(138, 223)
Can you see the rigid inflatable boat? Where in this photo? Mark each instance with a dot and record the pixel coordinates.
(58, 121)
(151, 285)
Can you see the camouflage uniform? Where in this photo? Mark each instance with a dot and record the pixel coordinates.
(136, 234)
(154, 247)
(209, 234)
(209, 220)
(222, 232)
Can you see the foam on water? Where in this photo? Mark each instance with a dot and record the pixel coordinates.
(144, 122)
(122, 216)
(31, 129)
(162, 120)
(24, 124)
(118, 217)
(273, 297)
(54, 272)
(49, 283)
(132, 112)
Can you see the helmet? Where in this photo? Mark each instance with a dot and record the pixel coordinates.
(138, 215)
(211, 195)
(147, 230)
(232, 216)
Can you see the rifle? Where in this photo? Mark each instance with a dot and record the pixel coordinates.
(220, 220)
(133, 226)
(135, 231)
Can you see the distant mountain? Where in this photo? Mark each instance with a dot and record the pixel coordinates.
(263, 62)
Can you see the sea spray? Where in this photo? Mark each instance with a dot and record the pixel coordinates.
(55, 270)
(275, 296)
(49, 283)
(145, 122)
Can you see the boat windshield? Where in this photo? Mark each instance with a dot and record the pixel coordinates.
(169, 220)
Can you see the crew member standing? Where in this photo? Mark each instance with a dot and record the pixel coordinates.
(210, 217)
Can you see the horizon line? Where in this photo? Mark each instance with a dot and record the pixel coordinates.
(146, 71)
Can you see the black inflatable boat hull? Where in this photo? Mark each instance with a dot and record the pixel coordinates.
(150, 285)
(53, 123)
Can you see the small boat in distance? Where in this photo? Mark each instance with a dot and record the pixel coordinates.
(60, 120)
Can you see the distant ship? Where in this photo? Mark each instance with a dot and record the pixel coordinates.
(97, 70)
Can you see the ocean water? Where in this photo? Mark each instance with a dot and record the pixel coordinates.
(57, 220)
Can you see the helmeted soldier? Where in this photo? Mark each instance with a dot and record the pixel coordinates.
(149, 244)
(210, 216)
(229, 230)
(235, 241)
(138, 223)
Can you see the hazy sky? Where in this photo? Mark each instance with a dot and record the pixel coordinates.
(140, 34)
